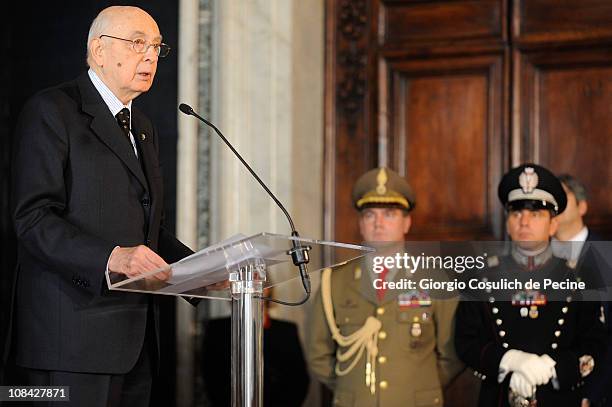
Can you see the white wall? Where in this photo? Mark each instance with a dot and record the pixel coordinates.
(267, 98)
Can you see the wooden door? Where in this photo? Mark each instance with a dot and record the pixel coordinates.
(453, 93)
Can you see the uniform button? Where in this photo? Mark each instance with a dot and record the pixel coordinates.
(380, 311)
(554, 345)
(148, 242)
(145, 201)
(382, 359)
(557, 333)
(564, 310)
(384, 384)
(382, 335)
(561, 321)
(495, 310)
(505, 345)
(498, 321)
(502, 333)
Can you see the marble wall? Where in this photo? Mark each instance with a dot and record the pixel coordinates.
(259, 77)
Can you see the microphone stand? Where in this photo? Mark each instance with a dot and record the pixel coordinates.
(299, 254)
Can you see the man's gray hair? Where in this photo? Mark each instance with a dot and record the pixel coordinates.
(575, 186)
(98, 26)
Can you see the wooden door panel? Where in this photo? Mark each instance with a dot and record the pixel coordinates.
(406, 21)
(437, 149)
(561, 21)
(446, 135)
(564, 120)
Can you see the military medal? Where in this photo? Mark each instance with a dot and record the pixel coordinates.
(415, 330)
(414, 299)
(586, 365)
(530, 298)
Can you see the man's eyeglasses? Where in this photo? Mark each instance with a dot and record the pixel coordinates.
(140, 46)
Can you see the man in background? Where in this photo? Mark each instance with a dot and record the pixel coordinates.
(571, 222)
(573, 230)
(376, 346)
(529, 349)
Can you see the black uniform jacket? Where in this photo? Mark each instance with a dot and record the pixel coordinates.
(565, 330)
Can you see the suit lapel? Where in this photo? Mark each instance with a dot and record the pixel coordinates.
(143, 135)
(106, 129)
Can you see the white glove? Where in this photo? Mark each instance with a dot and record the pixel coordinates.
(521, 385)
(537, 370)
(549, 361)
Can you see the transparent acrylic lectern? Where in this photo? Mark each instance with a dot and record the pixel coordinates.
(238, 270)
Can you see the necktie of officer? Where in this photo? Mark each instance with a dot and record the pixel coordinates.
(123, 118)
(530, 263)
(380, 292)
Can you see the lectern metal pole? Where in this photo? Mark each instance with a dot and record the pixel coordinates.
(247, 336)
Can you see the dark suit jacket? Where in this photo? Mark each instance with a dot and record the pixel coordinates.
(78, 192)
(595, 257)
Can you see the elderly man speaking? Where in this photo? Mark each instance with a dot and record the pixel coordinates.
(88, 198)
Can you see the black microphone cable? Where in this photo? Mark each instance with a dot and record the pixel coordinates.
(299, 254)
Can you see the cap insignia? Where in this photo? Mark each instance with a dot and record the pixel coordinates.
(381, 180)
(528, 180)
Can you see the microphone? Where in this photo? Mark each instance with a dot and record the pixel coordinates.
(299, 253)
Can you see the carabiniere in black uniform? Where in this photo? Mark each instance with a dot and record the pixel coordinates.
(566, 329)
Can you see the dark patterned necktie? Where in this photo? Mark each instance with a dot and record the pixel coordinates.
(123, 118)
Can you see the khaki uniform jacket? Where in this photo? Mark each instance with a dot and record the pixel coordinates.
(411, 370)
